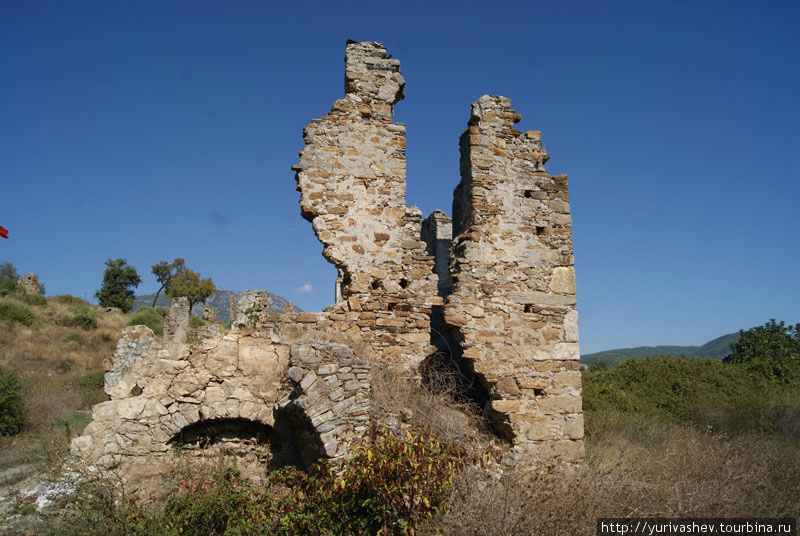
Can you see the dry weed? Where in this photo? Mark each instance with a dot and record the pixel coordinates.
(435, 404)
(59, 379)
(682, 473)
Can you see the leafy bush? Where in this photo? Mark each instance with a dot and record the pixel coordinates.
(388, 487)
(151, 317)
(772, 350)
(10, 402)
(196, 322)
(83, 321)
(679, 389)
(12, 313)
(91, 380)
(82, 317)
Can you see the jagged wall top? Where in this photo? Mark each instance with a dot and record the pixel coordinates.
(373, 78)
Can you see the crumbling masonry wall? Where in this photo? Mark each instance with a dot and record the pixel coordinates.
(351, 178)
(513, 306)
(495, 285)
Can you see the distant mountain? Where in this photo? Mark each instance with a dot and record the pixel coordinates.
(220, 299)
(716, 348)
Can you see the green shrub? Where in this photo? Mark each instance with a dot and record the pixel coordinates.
(11, 313)
(150, 317)
(83, 321)
(679, 389)
(196, 322)
(104, 336)
(82, 317)
(75, 337)
(10, 402)
(91, 380)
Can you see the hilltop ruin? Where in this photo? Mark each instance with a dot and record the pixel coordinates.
(492, 291)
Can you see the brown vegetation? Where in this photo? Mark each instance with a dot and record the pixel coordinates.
(61, 370)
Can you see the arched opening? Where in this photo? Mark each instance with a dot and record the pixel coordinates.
(242, 442)
(212, 431)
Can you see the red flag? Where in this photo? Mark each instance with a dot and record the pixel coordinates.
(3, 232)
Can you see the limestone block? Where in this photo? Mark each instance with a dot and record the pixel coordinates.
(563, 280)
(564, 351)
(559, 404)
(571, 326)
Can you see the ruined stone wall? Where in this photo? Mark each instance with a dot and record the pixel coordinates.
(288, 394)
(512, 307)
(351, 178)
(30, 284)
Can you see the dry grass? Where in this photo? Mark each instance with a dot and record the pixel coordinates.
(679, 472)
(59, 367)
(435, 404)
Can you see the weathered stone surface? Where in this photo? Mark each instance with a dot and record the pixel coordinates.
(176, 323)
(351, 178)
(134, 343)
(563, 280)
(210, 313)
(30, 284)
(512, 305)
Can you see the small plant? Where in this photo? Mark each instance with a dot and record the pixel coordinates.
(252, 316)
(14, 313)
(10, 402)
(75, 337)
(104, 336)
(196, 322)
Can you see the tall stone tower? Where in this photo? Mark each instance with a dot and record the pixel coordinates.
(352, 181)
(513, 307)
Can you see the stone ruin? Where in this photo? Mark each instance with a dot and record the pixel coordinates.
(30, 284)
(491, 291)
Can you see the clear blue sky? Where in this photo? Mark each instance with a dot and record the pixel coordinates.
(155, 130)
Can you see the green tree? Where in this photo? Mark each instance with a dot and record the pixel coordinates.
(8, 278)
(772, 349)
(164, 272)
(118, 279)
(187, 283)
